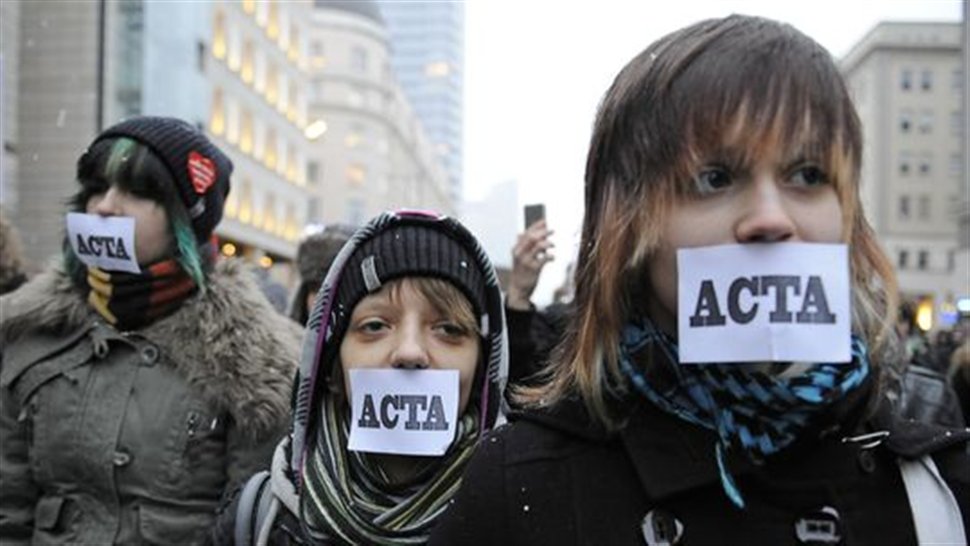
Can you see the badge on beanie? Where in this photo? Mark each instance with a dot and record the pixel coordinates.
(406, 412)
(764, 302)
(105, 242)
(202, 172)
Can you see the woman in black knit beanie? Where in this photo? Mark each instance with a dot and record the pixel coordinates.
(141, 378)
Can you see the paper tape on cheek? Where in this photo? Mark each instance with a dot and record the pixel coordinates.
(764, 302)
(104, 242)
(405, 412)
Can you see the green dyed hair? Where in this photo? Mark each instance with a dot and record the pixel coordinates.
(133, 167)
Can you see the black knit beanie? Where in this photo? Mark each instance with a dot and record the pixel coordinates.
(200, 170)
(318, 250)
(409, 248)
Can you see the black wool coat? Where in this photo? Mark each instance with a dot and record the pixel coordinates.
(558, 478)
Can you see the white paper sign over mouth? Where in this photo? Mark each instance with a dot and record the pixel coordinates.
(406, 412)
(106, 242)
(764, 302)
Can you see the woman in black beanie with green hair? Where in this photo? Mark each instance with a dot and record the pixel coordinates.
(141, 378)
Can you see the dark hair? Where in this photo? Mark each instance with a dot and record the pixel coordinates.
(133, 167)
(689, 95)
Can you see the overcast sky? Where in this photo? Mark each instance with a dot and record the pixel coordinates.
(535, 71)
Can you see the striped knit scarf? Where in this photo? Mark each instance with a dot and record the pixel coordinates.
(756, 413)
(348, 499)
(129, 301)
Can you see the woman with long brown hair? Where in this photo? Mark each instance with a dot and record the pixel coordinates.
(730, 133)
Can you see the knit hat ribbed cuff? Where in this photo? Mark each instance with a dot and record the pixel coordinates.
(409, 250)
(199, 168)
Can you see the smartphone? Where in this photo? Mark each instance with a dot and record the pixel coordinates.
(534, 213)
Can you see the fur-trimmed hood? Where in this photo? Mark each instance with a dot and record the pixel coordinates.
(227, 342)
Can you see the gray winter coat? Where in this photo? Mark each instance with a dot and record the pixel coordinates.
(132, 437)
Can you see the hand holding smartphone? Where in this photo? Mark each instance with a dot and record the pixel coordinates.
(534, 213)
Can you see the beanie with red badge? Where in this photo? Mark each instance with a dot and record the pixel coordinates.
(187, 171)
(199, 168)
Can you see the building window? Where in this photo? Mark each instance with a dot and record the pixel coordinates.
(317, 57)
(293, 109)
(355, 136)
(356, 174)
(290, 232)
(956, 123)
(246, 202)
(905, 121)
(926, 80)
(926, 122)
(217, 119)
(903, 260)
(272, 85)
(904, 162)
(923, 260)
(438, 69)
(906, 79)
(926, 160)
(273, 20)
(957, 84)
(271, 156)
(248, 71)
(269, 213)
(358, 59)
(956, 165)
(291, 168)
(246, 134)
(312, 172)
(904, 207)
(219, 35)
(924, 207)
(293, 50)
(232, 121)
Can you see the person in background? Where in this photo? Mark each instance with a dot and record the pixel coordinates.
(274, 292)
(313, 258)
(13, 264)
(532, 332)
(132, 400)
(409, 291)
(735, 131)
(958, 378)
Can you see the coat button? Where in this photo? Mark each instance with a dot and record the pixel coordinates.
(661, 528)
(149, 355)
(819, 527)
(120, 458)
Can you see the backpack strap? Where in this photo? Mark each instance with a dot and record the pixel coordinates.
(247, 518)
(936, 514)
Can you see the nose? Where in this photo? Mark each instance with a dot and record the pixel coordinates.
(411, 351)
(108, 204)
(765, 217)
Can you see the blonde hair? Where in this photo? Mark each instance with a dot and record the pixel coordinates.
(686, 94)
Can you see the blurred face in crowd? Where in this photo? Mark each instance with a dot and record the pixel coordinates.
(780, 194)
(153, 238)
(414, 323)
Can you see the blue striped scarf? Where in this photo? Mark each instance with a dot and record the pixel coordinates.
(751, 411)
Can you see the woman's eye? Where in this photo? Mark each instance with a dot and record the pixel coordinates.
(371, 326)
(809, 175)
(712, 179)
(451, 329)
